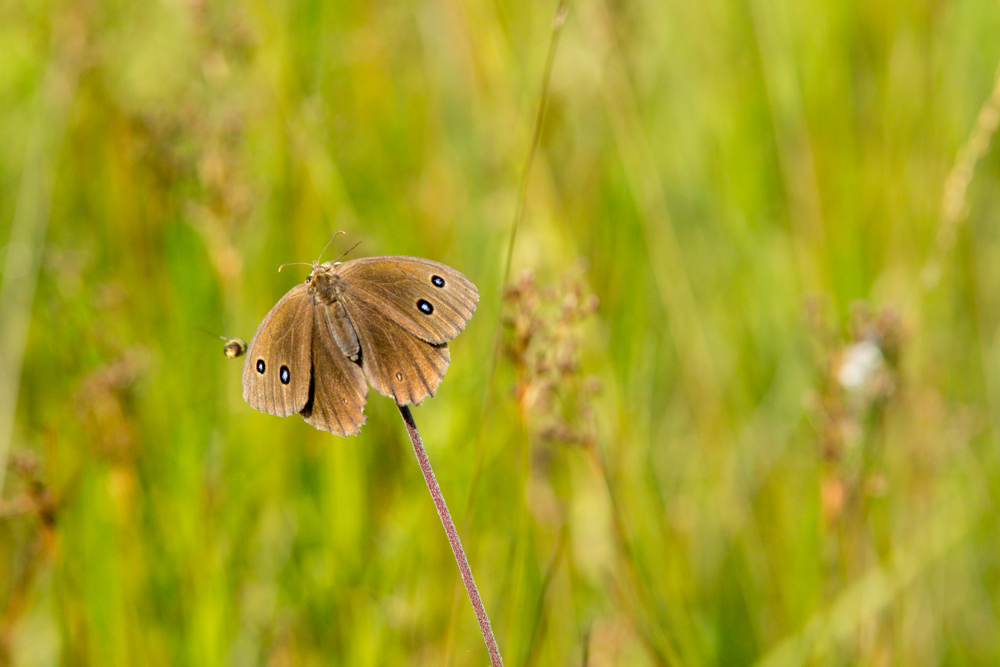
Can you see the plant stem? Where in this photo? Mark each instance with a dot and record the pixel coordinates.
(449, 528)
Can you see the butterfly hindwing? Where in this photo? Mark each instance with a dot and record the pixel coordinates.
(339, 391)
(397, 363)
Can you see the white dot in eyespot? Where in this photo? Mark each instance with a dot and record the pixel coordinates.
(260, 366)
(399, 376)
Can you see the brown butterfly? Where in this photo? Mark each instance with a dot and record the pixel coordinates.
(384, 319)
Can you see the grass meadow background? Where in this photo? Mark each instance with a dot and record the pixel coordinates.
(742, 410)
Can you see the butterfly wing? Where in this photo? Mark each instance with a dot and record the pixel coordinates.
(404, 310)
(339, 391)
(294, 365)
(277, 370)
(397, 363)
(429, 299)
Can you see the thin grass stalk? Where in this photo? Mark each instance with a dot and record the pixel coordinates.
(456, 543)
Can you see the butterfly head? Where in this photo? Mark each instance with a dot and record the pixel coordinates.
(322, 281)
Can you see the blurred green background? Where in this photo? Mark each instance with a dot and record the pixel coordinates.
(774, 440)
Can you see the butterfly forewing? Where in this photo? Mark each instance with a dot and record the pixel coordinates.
(278, 364)
(426, 298)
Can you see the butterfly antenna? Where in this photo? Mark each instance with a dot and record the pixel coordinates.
(328, 245)
(294, 263)
(348, 250)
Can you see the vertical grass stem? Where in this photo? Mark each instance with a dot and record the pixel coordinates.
(456, 543)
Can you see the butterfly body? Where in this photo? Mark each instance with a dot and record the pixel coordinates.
(324, 284)
(379, 320)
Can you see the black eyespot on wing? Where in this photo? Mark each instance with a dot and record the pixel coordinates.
(284, 375)
(260, 366)
(425, 306)
(437, 281)
(399, 376)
